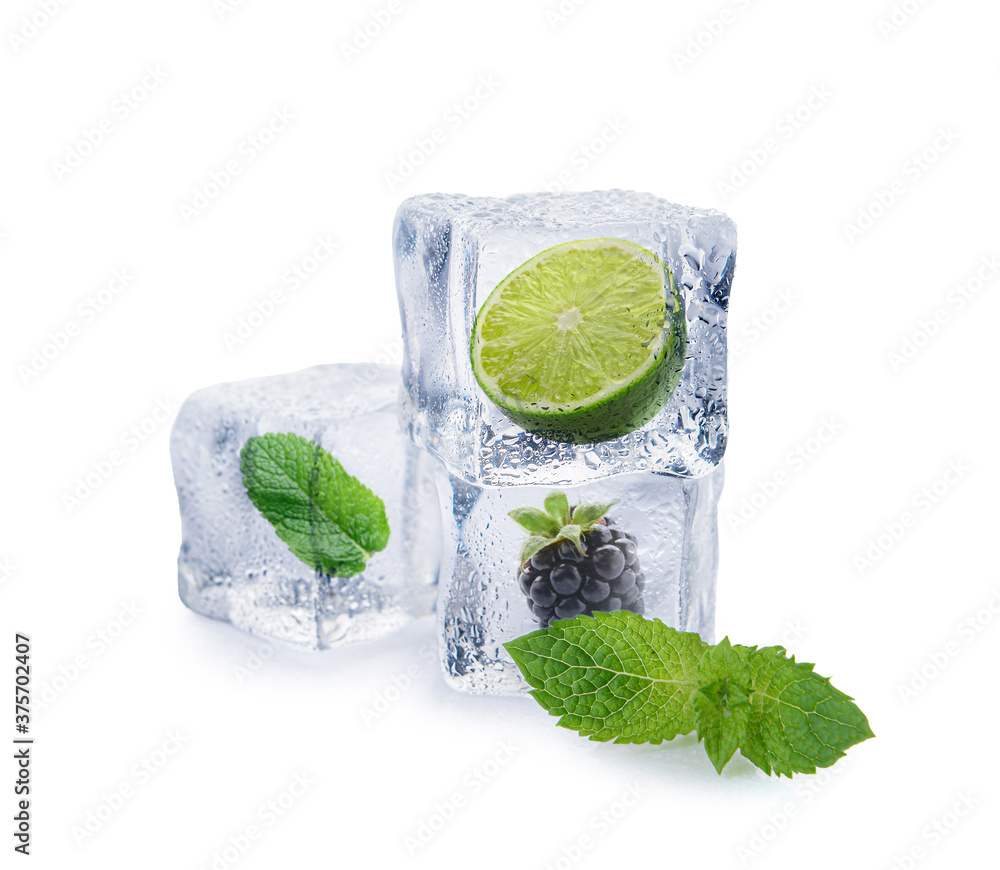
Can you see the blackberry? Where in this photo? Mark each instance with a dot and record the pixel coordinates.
(577, 561)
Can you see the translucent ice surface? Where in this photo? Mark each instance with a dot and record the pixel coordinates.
(451, 251)
(232, 565)
(481, 605)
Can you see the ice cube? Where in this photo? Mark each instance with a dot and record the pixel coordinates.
(481, 604)
(232, 565)
(451, 251)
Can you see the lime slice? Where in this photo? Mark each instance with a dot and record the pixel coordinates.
(583, 342)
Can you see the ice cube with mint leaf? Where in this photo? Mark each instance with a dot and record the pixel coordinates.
(307, 517)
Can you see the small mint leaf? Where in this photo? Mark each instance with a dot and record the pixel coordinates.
(722, 705)
(586, 515)
(613, 676)
(329, 519)
(798, 720)
(557, 505)
(724, 694)
(535, 521)
(722, 715)
(725, 661)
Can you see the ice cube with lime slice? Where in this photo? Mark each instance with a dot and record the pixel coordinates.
(558, 338)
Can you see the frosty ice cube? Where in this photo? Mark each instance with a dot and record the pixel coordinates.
(484, 598)
(451, 251)
(232, 564)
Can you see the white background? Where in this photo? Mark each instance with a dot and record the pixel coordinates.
(900, 142)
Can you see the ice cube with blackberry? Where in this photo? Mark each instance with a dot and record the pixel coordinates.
(672, 523)
(576, 561)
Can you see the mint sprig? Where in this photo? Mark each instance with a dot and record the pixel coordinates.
(329, 519)
(617, 676)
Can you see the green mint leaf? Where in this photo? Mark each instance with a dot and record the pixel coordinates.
(535, 521)
(328, 518)
(557, 506)
(798, 721)
(722, 703)
(613, 676)
(587, 514)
